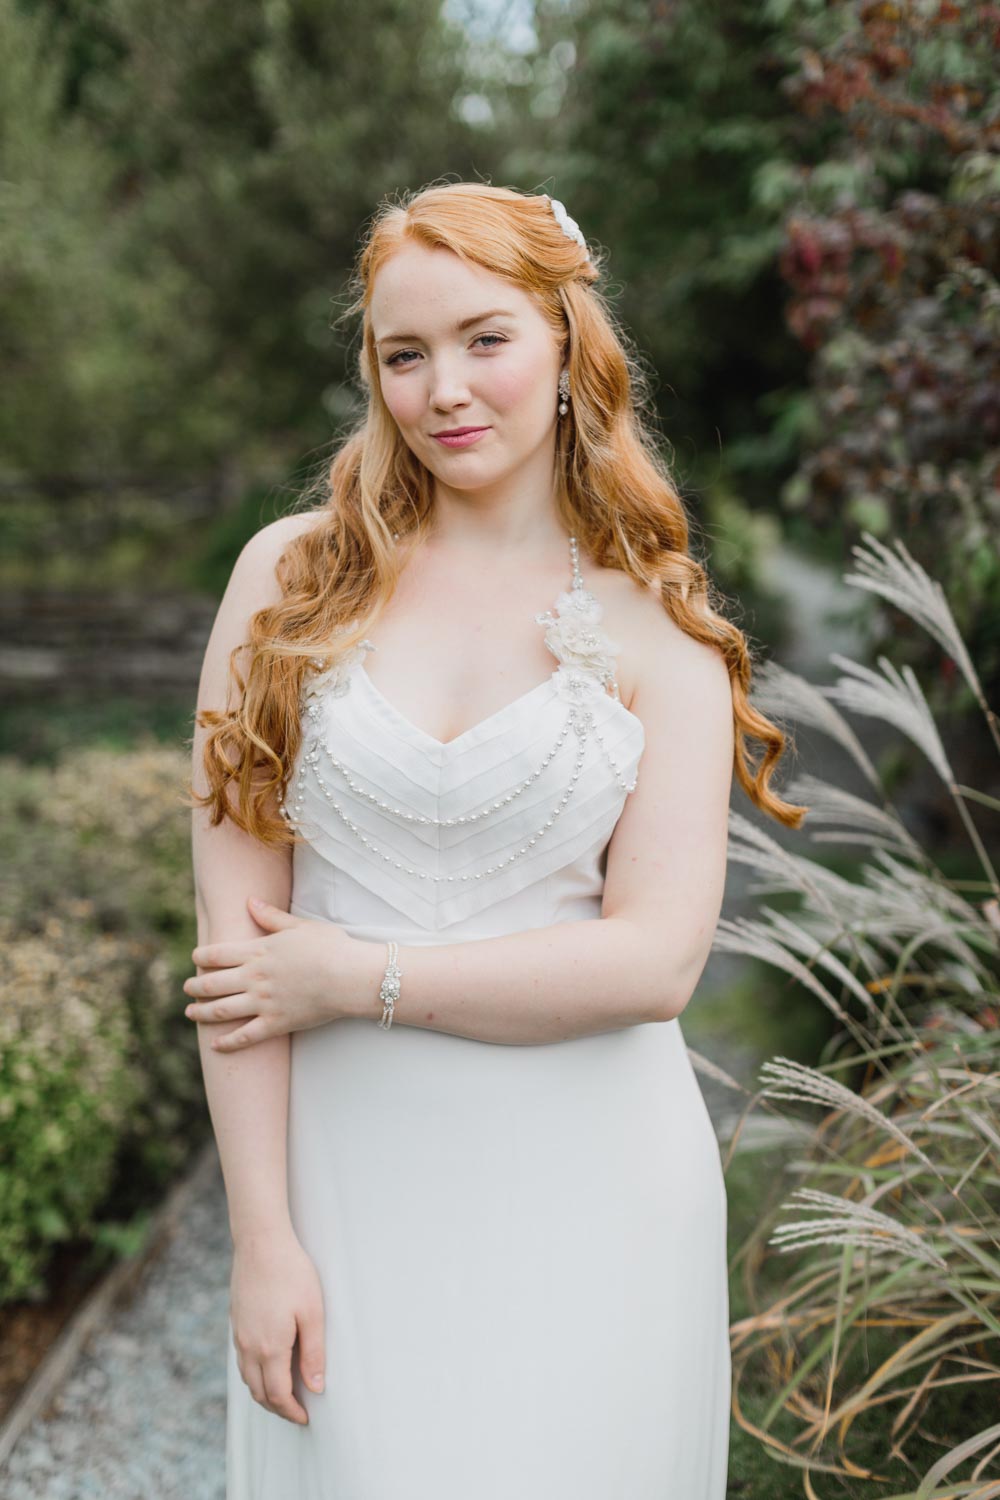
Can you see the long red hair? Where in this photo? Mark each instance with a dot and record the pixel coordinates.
(615, 494)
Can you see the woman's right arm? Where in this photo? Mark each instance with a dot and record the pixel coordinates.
(275, 1292)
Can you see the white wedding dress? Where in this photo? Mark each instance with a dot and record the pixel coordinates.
(522, 1248)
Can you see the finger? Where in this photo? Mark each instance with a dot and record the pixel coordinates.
(218, 982)
(232, 1008)
(253, 1379)
(238, 1040)
(278, 1388)
(312, 1354)
(223, 955)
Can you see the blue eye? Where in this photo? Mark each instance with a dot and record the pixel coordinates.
(396, 358)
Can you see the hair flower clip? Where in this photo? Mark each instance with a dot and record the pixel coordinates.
(569, 226)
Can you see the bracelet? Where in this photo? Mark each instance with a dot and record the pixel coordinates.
(389, 992)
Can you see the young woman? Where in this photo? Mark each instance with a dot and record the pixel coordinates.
(466, 736)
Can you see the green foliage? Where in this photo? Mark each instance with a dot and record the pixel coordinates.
(209, 556)
(66, 1087)
(893, 263)
(99, 1076)
(667, 115)
(195, 179)
(55, 297)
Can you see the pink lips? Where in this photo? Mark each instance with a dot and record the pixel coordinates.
(462, 439)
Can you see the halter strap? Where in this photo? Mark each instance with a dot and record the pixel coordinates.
(574, 553)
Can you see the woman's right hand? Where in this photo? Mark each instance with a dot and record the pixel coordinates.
(275, 1295)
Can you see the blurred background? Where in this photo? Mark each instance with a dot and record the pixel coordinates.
(800, 201)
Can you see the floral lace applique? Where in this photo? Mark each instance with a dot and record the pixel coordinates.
(574, 636)
(334, 681)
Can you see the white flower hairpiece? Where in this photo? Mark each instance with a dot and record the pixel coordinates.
(569, 226)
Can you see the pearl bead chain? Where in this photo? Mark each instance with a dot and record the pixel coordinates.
(476, 875)
(408, 817)
(616, 770)
(580, 718)
(574, 552)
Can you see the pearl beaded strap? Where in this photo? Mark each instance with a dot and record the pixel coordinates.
(574, 553)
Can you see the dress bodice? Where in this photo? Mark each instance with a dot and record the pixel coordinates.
(511, 817)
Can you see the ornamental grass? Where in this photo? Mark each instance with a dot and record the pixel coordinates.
(880, 1352)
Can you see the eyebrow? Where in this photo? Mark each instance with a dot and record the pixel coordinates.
(493, 312)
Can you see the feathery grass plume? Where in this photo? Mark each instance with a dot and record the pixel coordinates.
(783, 869)
(854, 918)
(742, 935)
(794, 1080)
(849, 1223)
(854, 820)
(783, 693)
(900, 580)
(849, 936)
(816, 944)
(858, 1320)
(917, 1131)
(712, 1070)
(896, 697)
(923, 905)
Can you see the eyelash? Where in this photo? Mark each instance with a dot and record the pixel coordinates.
(479, 336)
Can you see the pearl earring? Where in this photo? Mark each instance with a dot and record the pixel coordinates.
(564, 392)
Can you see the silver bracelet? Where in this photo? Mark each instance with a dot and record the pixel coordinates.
(389, 992)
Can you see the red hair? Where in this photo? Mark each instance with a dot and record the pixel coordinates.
(615, 494)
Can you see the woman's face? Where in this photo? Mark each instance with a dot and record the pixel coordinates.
(499, 372)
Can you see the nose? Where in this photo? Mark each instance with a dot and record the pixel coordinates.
(448, 386)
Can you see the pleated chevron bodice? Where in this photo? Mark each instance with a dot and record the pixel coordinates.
(439, 831)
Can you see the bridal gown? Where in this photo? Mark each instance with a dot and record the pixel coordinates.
(522, 1248)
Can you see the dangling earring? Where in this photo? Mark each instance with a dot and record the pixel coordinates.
(563, 392)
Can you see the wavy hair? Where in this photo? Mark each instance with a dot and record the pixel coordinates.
(615, 494)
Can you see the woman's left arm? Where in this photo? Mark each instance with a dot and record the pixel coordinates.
(639, 961)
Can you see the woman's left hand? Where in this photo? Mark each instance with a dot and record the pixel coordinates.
(299, 973)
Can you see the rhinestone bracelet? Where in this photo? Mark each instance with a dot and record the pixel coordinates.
(389, 992)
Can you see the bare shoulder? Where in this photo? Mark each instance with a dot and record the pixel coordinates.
(253, 577)
(657, 656)
(271, 540)
(253, 585)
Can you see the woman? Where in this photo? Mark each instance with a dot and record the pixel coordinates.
(476, 1200)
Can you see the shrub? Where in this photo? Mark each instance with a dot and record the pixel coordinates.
(67, 1086)
(100, 1094)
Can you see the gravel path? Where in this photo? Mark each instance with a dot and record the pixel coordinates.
(142, 1415)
